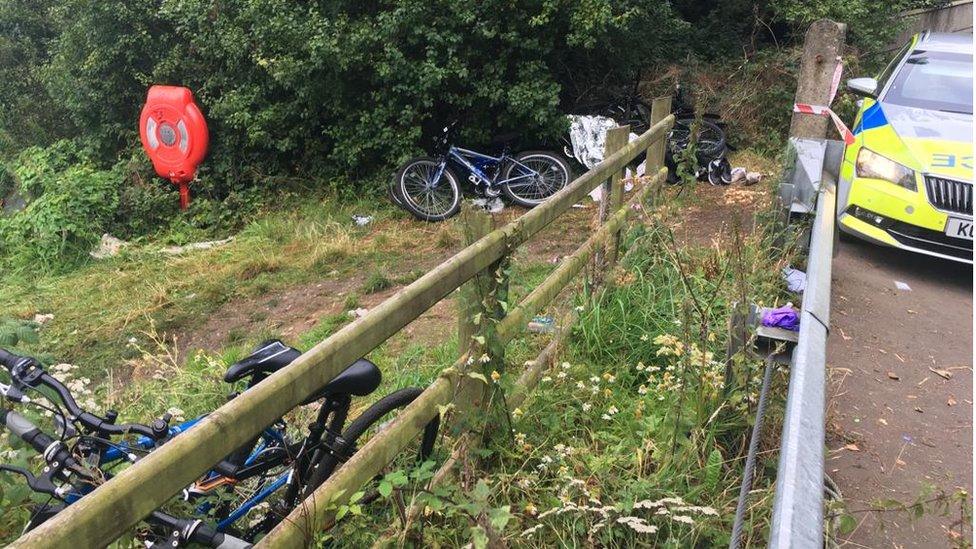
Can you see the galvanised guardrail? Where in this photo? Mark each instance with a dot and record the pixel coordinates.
(798, 506)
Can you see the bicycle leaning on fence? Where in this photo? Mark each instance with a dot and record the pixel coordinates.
(276, 468)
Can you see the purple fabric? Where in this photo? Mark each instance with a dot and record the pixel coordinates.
(785, 317)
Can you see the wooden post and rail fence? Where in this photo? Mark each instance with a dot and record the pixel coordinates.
(480, 270)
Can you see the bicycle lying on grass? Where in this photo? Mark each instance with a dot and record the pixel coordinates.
(275, 468)
(429, 187)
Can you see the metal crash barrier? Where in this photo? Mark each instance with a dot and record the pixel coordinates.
(798, 507)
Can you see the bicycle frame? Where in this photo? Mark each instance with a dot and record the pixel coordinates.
(269, 437)
(464, 157)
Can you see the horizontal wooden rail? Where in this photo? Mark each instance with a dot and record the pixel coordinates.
(317, 510)
(135, 492)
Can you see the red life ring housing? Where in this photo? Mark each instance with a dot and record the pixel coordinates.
(174, 135)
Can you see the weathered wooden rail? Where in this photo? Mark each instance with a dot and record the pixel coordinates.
(108, 512)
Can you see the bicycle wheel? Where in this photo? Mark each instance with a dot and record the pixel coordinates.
(537, 176)
(424, 195)
(371, 422)
(710, 139)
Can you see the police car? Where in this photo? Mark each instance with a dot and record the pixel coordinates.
(907, 180)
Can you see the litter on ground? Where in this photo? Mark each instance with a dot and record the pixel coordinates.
(796, 280)
(177, 250)
(493, 205)
(108, 246)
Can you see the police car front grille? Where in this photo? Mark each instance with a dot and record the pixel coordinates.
(950, 195)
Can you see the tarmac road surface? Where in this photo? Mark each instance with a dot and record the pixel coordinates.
(894, 424)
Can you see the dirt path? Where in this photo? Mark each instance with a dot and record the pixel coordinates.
(291, 311)
(894, 425)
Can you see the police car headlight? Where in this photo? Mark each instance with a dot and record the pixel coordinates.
(873, 165)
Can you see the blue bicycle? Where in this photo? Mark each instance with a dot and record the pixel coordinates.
(429, 187)
(248, 492)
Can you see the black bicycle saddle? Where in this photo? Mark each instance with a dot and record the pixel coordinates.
(360, 378)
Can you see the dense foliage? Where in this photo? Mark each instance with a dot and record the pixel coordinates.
(315, 89)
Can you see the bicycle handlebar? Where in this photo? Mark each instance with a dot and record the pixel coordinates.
(58, 455)
(28, 371)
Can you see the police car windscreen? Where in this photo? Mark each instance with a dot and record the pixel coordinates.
(941, 81)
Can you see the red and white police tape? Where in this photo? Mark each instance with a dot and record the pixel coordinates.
(842, 128)
(821, 110)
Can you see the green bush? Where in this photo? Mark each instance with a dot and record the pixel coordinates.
(71, 209)
(335, 90)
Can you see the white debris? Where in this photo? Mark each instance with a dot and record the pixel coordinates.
(796, 280)
(744, 176)
(177, 250)
(362, 220)
(108, 246)
(43, 318)
(738, 174)
(358, 312)
(902, 286)
(493, 205)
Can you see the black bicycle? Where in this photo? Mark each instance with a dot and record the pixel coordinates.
(276, 468)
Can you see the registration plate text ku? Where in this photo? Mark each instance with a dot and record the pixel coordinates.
(959, 228)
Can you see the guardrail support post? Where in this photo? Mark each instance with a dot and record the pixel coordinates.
(822, 47)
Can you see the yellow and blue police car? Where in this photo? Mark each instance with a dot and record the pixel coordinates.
(907, 180)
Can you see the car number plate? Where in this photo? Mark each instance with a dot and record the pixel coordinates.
(959, 228)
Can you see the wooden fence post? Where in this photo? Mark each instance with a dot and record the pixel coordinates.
(822, 48)
(616, 139)
(611, 197)
(482, 305)
(660, 108)
(476, 223)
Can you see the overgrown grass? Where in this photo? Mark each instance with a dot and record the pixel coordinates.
(637, 411)
(99, 307)
(637, 437)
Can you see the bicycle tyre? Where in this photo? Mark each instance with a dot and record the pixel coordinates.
(713, 149)
(414, 174)
(563, 176)
(371, 416)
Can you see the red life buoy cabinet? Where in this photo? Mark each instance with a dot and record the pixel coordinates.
(174, 135)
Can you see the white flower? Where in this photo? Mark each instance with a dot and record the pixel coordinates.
(545, 379)
(642, 390)
(561, 375)
(683, 518)
(566, 365)
(586, 406)
(638, 525)
(580, 385)
(613, 410)
(595, 379)
(529, 531)
(485, 359)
